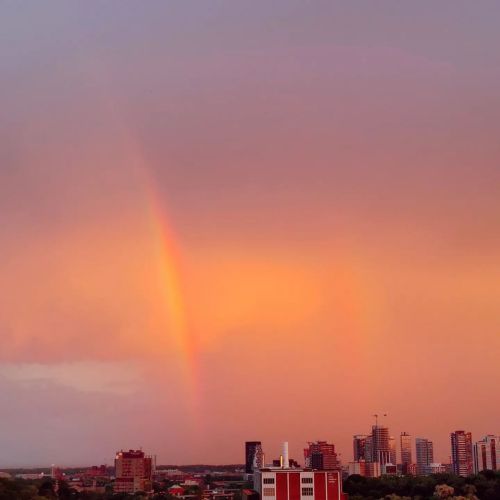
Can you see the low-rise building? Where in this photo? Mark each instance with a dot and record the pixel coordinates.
(280, 483)
(437, 468)
(365, 469)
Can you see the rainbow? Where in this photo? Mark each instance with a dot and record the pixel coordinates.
(169, 265)
(168, 262)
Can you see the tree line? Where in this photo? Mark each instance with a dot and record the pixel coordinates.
(483, 486)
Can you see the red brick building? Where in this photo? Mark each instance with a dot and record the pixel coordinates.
(133, 472)
(298, 484)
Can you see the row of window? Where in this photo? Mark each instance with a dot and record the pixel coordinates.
(270, 492)
(270, 480)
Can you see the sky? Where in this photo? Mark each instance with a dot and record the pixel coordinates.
(226, 221)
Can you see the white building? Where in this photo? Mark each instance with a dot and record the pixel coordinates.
(486, 454)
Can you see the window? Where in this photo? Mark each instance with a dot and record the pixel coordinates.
(268, 480)
(307, 480)
(307, 492)
(268, 492)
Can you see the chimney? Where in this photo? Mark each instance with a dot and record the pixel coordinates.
(286, 461)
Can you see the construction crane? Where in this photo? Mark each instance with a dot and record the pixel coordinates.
(376, 415)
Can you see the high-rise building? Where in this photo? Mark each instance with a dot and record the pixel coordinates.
(321, 455)
(486, 454)
(359, 447)
(133, 472)
(369, 456)
(405, 446)
(461, 453)
(392, 451)
(425, 455)
(380, 444)
(253, 456)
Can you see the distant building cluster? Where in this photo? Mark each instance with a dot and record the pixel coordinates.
(374, 454)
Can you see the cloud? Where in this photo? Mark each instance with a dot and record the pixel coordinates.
(46, 422)
(90, 376)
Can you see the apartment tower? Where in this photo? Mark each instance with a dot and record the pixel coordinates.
(405, 447)
(425, 455)
(461, 453)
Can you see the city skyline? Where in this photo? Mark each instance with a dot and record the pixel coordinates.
(420, 448)
(223, 221)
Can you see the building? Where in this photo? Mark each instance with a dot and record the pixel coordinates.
(285, 483)
(253, 456)
(356, 468)
(425, 455)
(392, 451)
(247, 494)
(133, 472)
(405, 448)
(321, 455)
(97, 471)
(30, 477)
(176, 490)
(381, 451)
(173, 475)
(369, 449)
(486, 454)
(437, 468)
(359, 447)
(411, 470)
(298, 484)
(461, 453)
(365, 469)
(390, 469)
(377, 447)
(56, 473)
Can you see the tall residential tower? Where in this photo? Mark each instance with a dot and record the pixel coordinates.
(461, 453)
(406, 455)
(425, 455)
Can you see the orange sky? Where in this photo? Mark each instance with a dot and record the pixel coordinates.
(229, 223)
